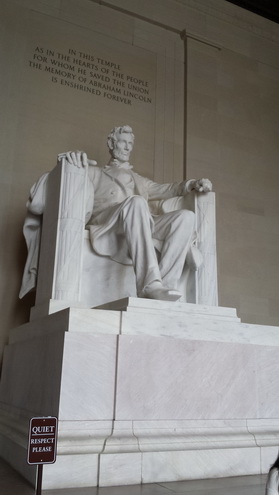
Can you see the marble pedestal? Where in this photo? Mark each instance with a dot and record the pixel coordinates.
(145, 391)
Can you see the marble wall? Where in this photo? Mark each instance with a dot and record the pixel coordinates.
(232, 114)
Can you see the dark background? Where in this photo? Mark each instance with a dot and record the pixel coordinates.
(265, 8)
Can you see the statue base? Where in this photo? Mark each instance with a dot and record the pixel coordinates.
(145, 391)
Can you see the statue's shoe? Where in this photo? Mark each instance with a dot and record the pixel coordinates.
(161, 293)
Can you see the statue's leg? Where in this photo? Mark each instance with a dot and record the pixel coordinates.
(175, 229)
(136, 223)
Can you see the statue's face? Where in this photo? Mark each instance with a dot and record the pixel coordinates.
(123, 147)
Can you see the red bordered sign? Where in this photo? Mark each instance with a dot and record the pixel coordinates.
(42, 440)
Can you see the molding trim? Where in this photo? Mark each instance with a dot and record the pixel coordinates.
(224, 11)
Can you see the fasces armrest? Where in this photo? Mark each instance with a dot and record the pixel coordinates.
(206, 277)
(60, 263)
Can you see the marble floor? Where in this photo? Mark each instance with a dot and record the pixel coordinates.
(12, 483)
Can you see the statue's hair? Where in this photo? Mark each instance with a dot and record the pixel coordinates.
(112, 137)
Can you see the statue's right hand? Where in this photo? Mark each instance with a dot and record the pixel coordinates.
(77, 158)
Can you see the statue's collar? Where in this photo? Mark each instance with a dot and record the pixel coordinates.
(118, 164)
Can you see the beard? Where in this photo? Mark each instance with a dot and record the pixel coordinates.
(121, 155)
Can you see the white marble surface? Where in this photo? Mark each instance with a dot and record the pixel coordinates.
(206, 276)
(152, 389)
(267, 382)
(197, 464)
(88, 377)
(156, 318)
(58, 367)
(31, 374)
(197, 327)
(168, 435)
(122, 439)
(94, 321)
(103, 278)
(194, 434)
(268, 456)
(61, 243)
(135, 304)
(160, 450)
(83, 437)
(71, 471)
(72, 320)
(185, 379)
(120, 469)
(264, 430)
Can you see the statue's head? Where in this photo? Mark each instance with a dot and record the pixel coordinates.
(120, 142)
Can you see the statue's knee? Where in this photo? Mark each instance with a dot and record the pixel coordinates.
(187, 217)
(138, 202)
(136, 206)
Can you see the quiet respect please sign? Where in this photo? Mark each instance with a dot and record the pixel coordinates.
(42, 440)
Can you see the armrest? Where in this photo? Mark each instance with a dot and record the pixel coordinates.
(62, 234)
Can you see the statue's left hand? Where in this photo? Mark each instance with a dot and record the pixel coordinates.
(202, 185)
(77, 158)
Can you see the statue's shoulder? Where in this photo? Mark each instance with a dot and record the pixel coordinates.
(95, 171)
(141, 178)
(138, 176)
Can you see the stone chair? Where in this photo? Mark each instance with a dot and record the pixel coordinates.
(70, 273)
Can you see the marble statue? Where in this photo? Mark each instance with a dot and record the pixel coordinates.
(120, 223)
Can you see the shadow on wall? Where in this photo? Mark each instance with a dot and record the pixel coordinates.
(20, 308)
(14, 312)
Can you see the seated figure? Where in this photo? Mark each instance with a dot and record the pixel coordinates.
(120, 223)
